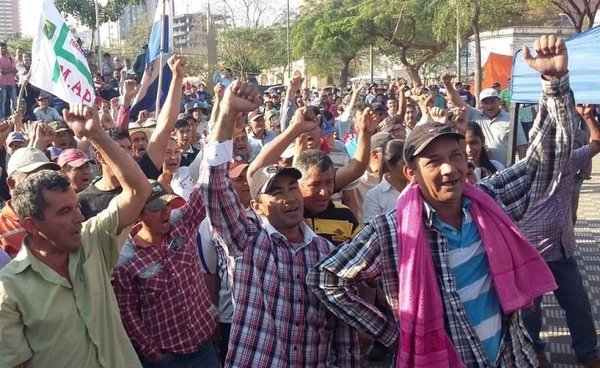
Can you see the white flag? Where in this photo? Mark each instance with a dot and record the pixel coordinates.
(58, 64)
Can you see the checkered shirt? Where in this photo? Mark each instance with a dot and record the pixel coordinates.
(277, 321)
(164, 302)
(373, 254)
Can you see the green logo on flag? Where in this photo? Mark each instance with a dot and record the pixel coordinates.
(49, 29)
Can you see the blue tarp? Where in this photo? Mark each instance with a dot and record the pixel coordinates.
(584, 71)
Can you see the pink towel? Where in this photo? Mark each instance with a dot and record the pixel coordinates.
(518, 272)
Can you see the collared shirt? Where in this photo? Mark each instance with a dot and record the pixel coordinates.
(256, 144)
(496, 132)
(7, 79)
(549, 225)
(379, 200)
(373, 253)
(277, 321)
(366, 182)
(164, 302)
(336, 224)
(48, 114)
(45, 320)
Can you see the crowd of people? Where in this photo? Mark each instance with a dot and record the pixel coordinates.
(292, 228)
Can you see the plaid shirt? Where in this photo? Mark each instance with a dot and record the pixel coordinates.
(373, 255)
(164, 302)
(277, 321)
(549, 225)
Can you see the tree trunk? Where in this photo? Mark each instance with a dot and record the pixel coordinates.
(413, 73)
(475, 28)
(344, 73)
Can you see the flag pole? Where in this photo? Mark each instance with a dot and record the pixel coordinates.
(160, 58)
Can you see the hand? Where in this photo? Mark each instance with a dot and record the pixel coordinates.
(6, 127)
(219, 89)
(447, 78)
(358, 86)
(368, 121)
(44, 135)
(295, 82)
(156, 357)
(83, 120)
(142, 116)
(130, 88)
(114, 102)
(460, 120)
(551, 59)
(304, 120)
(240, 97)
(586, 111)
(177, 64)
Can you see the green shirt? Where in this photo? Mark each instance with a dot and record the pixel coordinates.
(47, 321)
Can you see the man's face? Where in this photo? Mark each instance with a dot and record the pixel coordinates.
(61, 227)
(227, 74)
(392, 106)
(198, 114)
(441, 171)
(159, 222)
(62, 140)
(410, 117)
(43, 103)
(27, 59)
(193, 89)
(79, 176)
(275, 125)
(241, 145)
(3, 50)
(282, 206)
(139, 143)
(317, 188)
(117, 75)
(13, 146)
(172, 160)
(490, 107)
(183, 136)
(258, 125)
(241, 187)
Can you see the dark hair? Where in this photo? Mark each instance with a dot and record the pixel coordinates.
(28, 198)
(392, 153)
(484, 160)
(181, 123)
(117, 134)
(313, 157)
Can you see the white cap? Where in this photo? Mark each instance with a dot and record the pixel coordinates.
(487, 93)
(27, 160)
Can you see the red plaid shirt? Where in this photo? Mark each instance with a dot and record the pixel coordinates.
(163, 299)
(277, 321)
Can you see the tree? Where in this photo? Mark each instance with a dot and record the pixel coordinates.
(137, 37)
(329, 34)
(85, 11)
(581, 13)
(17, 41)
(248, 51)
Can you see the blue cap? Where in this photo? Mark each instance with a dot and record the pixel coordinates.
(327, 128)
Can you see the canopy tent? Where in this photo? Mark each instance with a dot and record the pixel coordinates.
(497, 69)
(584, 71)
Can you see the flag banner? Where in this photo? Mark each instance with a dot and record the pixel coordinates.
(58, 64)
(146, 97)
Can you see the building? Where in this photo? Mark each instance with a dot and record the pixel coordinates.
(189, 31)
(9, 18)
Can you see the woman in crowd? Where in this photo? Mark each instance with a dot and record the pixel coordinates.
(476, 152)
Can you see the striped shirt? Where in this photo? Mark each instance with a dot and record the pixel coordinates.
(277, 321)
(373, 254)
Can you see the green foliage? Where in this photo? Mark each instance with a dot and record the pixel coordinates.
(85, 12)
(248, 51)
(137, 37)
(17, 41)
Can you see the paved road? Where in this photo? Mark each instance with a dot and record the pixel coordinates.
(587, 230)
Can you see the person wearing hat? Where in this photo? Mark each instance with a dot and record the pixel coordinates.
(22, 163)
(75, 164)
(164, 302)
(63, 135)
(68, 263)
(258, 136)
(454, 267)
(14, 141)
(44, 111)
(216, 263)
(494, 121)
(139, 140)
(273, 305)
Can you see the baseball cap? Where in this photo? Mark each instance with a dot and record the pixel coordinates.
(74, 157)
(378, 107)
(237, 166)
(422, 135)
(14, 137)
(27, 160)
(160, 197)
(487, 93)
(59, 126)
(254, 115)
(378, 140)
(263, 179)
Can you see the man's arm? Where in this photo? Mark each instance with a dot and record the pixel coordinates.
(334, 281)
(367, 126)
(288, 105)
(85, 122)
(168, 114)
(523, 184)
(14, 349)
(451, 92)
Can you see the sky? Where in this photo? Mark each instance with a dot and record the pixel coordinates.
(29, 20)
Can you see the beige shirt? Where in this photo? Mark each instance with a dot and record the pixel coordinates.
(47, 321)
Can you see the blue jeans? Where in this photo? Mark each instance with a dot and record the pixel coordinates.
(205, 357)
(573, 299)
(7, 92)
